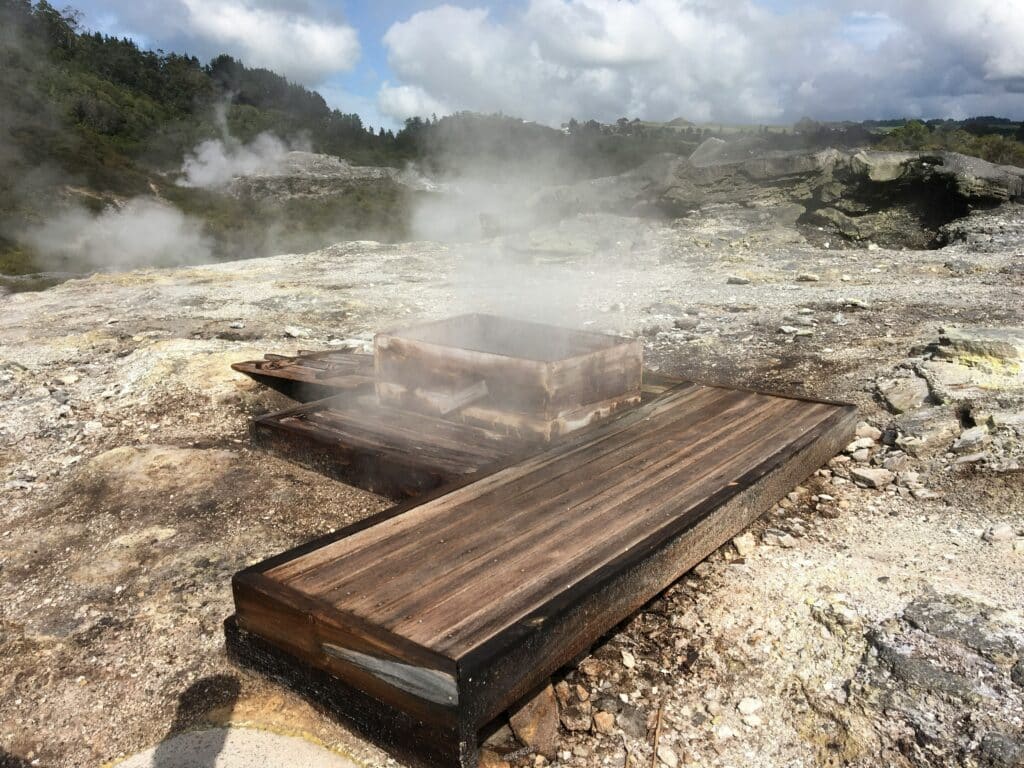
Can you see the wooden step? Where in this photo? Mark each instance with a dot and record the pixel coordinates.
(444, 611)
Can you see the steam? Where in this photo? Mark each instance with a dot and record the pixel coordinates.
(143, 232)
(215, 162)
(520, 259)
(542, 233)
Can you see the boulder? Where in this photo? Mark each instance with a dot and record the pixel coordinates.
(882, 166)
(872, 477)
(536, 723)
(997, 350)
(971, 440)
(902, 395)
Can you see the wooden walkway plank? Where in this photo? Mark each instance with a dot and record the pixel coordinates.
(421, 521)
(537, 515)
(450, 609)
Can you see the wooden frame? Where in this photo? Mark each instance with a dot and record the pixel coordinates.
(524, 379)
(393, 453)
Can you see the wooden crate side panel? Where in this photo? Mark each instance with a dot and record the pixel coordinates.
(411, 740)
(409, 372)
(601, 375)
(408, 365)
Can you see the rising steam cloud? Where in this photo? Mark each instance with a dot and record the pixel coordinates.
(143, 232)
(215, 162)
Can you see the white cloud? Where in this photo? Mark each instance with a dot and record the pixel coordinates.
(989, 33)
(722, 60)
(304, 42)
(301, 47)
(408, 101)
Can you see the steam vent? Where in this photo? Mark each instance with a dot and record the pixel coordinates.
(547, 488)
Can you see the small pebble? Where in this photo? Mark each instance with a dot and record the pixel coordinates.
(749, 705)
(1001, 532)
(668, 756)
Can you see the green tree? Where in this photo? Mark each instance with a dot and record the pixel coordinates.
(913, 135)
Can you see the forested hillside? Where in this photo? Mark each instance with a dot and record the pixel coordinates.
(91, 118)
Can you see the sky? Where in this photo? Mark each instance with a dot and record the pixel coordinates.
(715, 61)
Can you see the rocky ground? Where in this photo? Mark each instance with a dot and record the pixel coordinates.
(873, 617)
(307, 174)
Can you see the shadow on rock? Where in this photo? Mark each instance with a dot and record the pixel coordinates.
(209, 693)
(7, 760)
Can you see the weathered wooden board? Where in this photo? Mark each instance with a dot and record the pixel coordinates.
(447, 609)
(312, 375)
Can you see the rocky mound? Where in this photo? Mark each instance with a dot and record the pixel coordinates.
(894, 199)
(311, 175)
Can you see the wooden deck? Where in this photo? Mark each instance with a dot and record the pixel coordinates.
(444, 611)
(398, 454)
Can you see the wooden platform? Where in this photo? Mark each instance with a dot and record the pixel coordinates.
(442, 612)
(398, 454)
(351, 437)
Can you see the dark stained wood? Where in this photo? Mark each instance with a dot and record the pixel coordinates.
(390, 452)
(312, 375)
(451, 607)
(412, 740)
(512, 664)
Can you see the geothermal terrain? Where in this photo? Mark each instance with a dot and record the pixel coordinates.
(873, 617)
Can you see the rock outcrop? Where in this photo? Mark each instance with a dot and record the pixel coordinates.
(311, 175)
(895, 199)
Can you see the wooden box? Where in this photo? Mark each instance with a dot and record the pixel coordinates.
(517, 377)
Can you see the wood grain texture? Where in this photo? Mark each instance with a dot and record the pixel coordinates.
(451, 607)
(501, 671)
(430, 575)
